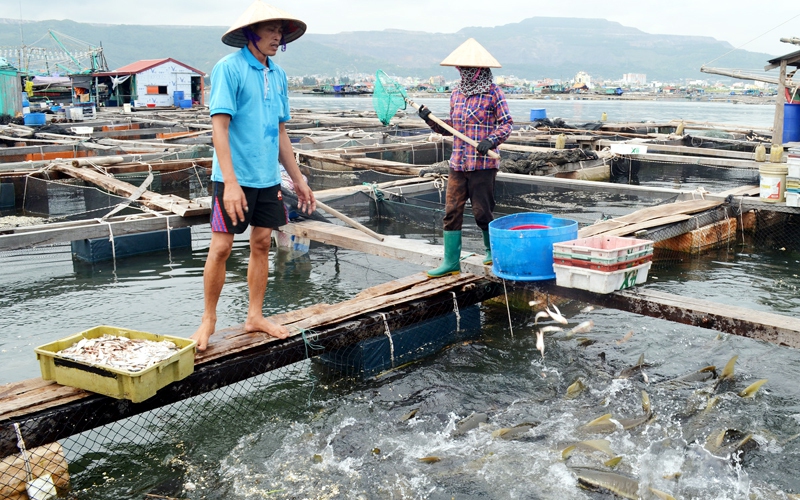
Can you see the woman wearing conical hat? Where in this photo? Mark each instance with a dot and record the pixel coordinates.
(478, 109)
(249, 105)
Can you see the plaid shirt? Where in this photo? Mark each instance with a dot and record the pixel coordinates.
(479, 117)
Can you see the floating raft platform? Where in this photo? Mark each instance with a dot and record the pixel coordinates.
(47, 412)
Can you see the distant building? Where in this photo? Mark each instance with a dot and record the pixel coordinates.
(583, 78)
(152, 82)
(10, 89)
(634, 79)
(437, 81)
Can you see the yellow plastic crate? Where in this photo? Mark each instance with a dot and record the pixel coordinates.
(120, 384)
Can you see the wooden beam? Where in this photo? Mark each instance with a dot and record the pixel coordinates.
(170, 203)
(50, 234)
(780, 100)
(735, 320)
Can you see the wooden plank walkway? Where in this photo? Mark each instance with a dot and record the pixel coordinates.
(776, 328)
(47, 411)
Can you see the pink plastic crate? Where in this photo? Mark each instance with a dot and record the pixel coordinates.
(604, 250)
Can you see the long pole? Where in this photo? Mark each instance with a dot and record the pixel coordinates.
(342, 217)
(780, 99)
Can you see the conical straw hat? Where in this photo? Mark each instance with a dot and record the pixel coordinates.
(260, 12)
(471, 54)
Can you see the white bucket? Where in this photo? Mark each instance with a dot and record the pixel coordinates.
(126, 107)
(773, 182)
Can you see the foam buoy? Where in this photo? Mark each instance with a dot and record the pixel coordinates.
(561, 141)
(603, 117)
(679, 130)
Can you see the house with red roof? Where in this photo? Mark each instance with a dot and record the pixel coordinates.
(153, 82)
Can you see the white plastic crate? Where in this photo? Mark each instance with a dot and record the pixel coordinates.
(604, 249)
(792, 199)
(793, 168)
(599, 281)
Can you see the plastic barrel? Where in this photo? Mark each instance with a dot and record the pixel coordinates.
(177, 97)
(772, 182)
(791, 123)
(527, 254)
(538, 114)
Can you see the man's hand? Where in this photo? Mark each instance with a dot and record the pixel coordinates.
(305, 198)
(484, 146)
(424, 112)
(235, 202)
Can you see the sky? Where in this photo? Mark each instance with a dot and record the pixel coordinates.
(747, 24)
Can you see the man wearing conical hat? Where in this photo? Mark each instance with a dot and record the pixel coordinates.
(249, 106)
(478, 109)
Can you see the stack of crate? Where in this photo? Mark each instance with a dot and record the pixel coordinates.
(793, 178)
(602, 264)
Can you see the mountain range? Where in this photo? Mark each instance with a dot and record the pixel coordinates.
(534, 48)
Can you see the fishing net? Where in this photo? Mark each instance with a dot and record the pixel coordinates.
(388, 97)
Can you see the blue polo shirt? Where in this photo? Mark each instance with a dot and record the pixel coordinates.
(256, 99)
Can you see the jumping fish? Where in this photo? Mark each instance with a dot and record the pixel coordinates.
(752, 389)
(469, 423)
(429, 460)
(409, 415)
(550, 329)
(725, 380)
(613, 462)
(540, 314)
(661, 495)
(633, 370)
(587, 309)
(600, 480)
(540, 342)
(556, 315)
(575, 388)
(626, 338)
(730, 442)
(606, 424)
(584, 327)
(513, 432)
(585, 342)
(691, 379)
(602, 445)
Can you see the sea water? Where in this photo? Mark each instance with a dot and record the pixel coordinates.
(316, 435)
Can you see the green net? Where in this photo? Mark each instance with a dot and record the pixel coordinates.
(388, 97)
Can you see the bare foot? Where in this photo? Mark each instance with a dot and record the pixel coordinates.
(262, 324)
(203, 333)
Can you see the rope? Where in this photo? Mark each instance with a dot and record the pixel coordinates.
(756, 38)
(508, 309)
(24, 451)
(456, 311)
(388, 334)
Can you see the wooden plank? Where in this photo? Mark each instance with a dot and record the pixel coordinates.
(741, 191)
(645, 214)
(170, 203)
(697, 160)
(658, 221)
(685, 150)
(31, 236)
(236, 339)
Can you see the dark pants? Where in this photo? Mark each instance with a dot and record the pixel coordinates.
(476, 186)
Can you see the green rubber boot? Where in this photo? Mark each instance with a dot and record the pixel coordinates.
(452, 256)
(487, 261)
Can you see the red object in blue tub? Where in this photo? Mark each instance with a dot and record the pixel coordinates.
(529, 226)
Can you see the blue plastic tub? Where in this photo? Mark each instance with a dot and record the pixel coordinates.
(185, 103)
(34, 119)
(525, 254)
(538, 114)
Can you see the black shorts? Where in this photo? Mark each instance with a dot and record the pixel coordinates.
(264, 209)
